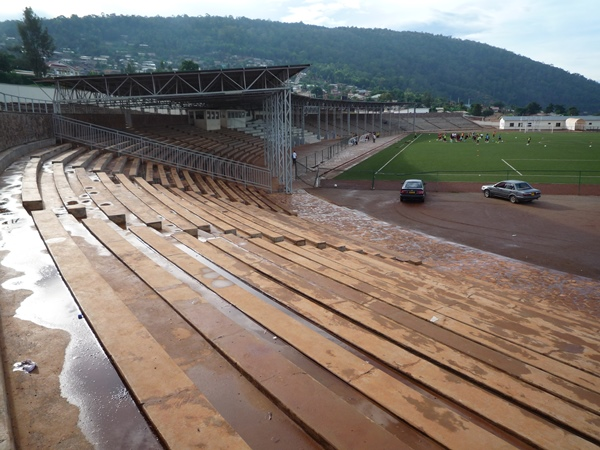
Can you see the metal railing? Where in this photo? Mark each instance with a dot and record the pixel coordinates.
(312, 160)
(146, 149)
(14, 103)
(578, 178)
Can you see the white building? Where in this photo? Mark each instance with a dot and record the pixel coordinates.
(549, 123)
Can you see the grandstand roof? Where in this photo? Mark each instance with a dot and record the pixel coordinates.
(225, 88)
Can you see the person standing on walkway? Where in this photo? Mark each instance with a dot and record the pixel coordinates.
(294, 157)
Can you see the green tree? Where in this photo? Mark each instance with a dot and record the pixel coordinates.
(428, 99)
(572, 111)
(130, 68)
(164, 67)
(188, 66)
(532, 108)
(487, 112)
(37, 43)
(317, 91)
(476, 109)
(7, 62)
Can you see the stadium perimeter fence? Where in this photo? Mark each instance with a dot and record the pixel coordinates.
(571, 177)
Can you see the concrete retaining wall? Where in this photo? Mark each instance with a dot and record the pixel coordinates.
(17, 129)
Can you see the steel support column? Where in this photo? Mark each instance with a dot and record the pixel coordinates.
(278, 137)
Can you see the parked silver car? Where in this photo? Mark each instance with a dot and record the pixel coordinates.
(516, 191)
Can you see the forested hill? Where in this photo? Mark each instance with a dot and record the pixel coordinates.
(398, 62)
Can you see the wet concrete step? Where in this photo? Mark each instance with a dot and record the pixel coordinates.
(175, 407)
(351, 265)
(492, 406)
(172, 206)
(181, 197)
(70, 200)
(273, 232)
(176, 178)
(333, 296)
(102, 197)
(159, 208)
(333, 420)
(30, 192)
(129, 201)
(538, 330)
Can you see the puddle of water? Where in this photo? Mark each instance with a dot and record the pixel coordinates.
(108, 416)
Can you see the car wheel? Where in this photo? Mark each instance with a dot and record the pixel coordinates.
(513, 199)
(487, 194)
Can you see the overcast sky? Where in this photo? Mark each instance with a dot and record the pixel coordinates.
(562, 33)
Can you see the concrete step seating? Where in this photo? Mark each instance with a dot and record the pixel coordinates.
(162, 175)
(143, 363)
(12, 154)
(84, 159)
(493, 407)
(264, 201)
(118, 165)
(52, 199)
(543, 392)
(102, 162)
(469, 321)
(440, 346)
(31, 196)
(149, 172)
(30, 193)
(233, 191)
(173, 220)
(134, 168)
(225, 143)
(183, 218)
(180, 197)
(96, 191)
(176, 178)
(221, 219)
(276, 239)
(269, 230)
(132, 203)
(70, 199)
(199, 184)
(244, 224)
(309, 232)
(190, 181)
(316, 346)
(291, 384)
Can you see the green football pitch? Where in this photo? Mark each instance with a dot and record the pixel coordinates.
(564, 157)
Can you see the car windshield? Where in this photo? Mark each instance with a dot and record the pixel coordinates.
(413, 185)
(523, 186)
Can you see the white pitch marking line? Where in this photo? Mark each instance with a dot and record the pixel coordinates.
(397, 154)
(512, 167)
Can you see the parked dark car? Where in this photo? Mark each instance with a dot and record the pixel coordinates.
(516, 191)
(413, 190)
